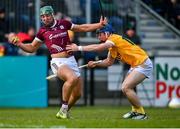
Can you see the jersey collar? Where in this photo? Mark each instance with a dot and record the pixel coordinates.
(54, 24)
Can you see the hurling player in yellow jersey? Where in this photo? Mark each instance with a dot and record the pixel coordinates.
(126, 51)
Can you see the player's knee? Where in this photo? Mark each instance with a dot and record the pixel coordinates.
(125, 88)
(73, 80)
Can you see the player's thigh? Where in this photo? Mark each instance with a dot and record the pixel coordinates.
(65, 72)
(133, 79)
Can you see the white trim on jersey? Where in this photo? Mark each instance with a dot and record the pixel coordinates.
(110, 43)
(36, 38)
(72, 26)
(55, 21)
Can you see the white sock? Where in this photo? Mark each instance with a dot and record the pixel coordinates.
(64, 106)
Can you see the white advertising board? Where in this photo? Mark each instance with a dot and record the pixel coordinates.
(167, 80)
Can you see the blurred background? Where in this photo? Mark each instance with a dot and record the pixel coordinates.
(152, 24)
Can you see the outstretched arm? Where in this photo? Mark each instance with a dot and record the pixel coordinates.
(92, 47)
(31, 47)
(90, 27)
(105, 63)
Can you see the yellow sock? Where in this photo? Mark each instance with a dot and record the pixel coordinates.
(133, 109)
(138, 110)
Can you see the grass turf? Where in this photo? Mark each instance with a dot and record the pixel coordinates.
(88, 117)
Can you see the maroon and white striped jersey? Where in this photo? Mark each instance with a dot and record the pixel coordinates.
(56, 37)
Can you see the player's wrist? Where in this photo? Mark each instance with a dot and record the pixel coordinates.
(80, 48)
(19, 44)
(101, 25)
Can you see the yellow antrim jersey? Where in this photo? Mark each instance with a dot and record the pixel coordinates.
(126, 51)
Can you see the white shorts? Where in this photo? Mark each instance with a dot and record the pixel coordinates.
(146, 69)
(70, 61)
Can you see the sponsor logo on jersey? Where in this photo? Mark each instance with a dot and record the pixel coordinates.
(51, 36)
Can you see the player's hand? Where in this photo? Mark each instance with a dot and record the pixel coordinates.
(103, 21)
(14, 40)
(91, 64)
(71, 47)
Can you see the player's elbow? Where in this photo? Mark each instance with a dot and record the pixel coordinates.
(32, 49)
(109, 63)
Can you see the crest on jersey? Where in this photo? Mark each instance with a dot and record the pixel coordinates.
(61, 27)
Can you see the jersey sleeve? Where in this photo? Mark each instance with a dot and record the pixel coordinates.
(110, 42)
(113, 52)
(39, 36)
(113, 39)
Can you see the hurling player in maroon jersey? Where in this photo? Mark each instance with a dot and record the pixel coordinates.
(54, 34)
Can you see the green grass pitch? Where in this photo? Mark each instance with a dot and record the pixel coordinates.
(87, 117)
